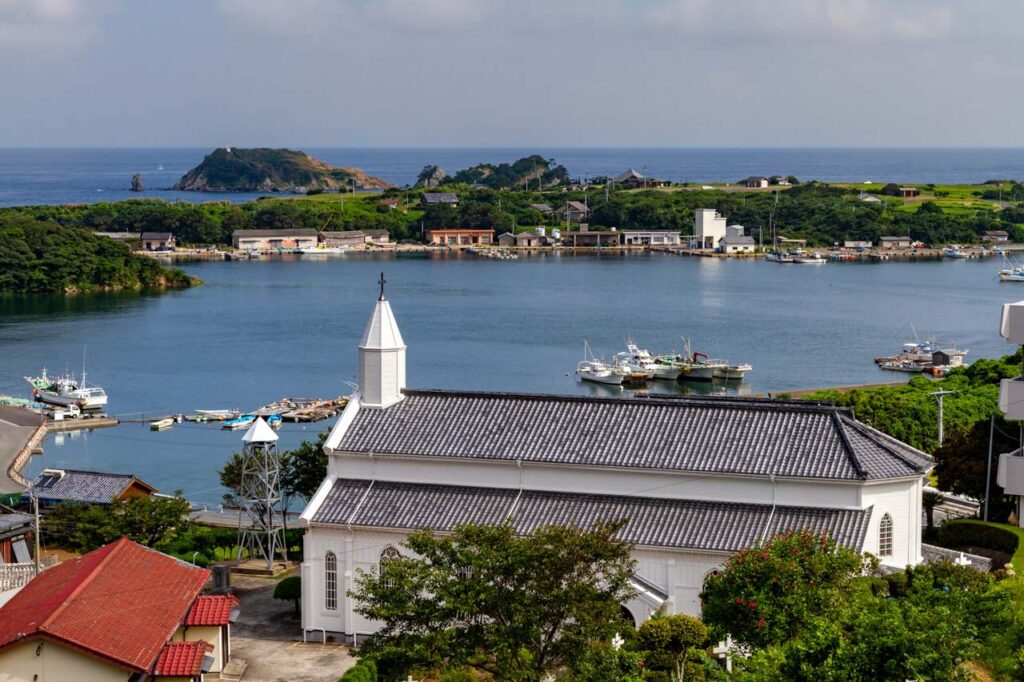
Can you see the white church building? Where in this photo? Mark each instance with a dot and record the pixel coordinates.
(697, 479)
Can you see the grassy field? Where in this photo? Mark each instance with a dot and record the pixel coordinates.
(950, 198)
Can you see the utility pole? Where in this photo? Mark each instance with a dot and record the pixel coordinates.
(35, 505)
(988, 469)
(938, 395)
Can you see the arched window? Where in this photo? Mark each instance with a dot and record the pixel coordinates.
(885, 536)
(331, 581)
(387, 556)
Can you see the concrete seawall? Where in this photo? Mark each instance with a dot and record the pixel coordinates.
(21, 432)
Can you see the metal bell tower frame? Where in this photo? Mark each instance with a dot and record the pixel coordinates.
(260, 496)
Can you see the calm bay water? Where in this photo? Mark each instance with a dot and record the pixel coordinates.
(259, 331)
(58, 176)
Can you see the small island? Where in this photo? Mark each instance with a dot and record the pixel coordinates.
(39, 256)
(230, 169)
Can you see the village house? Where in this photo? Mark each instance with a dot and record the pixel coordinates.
(525, 239)
(460, 239)
(59, 486)
(996, 236)
(585, 238)
(709, 228)
(909, 192)
(787, 243)
(573, 212)
(17, 534)
(869, 198)
(355, 238)
(543, 208)
(262, 241)
(121, 612)
(632, 179)
(894, 242)
(695, 478)
(737, 244)
(755, 182)
(857, 244)
(434, 198)
(157, 241)
(650, 238)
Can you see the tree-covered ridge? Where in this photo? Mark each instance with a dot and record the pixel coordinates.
(230, 169)
(523, 173)
(39, 256)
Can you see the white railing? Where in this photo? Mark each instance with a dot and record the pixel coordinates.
(13, 576)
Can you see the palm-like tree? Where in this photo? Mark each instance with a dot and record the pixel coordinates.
(929, 500)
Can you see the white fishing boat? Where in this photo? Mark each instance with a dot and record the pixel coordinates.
(217, 415)
(66, 390)
(1015, 274)
(779, 257)
(732, 372)
(599, 373)
(322, 250)
(161, 424)
(641, 360)
(239, 422)
(953, 252)
(809, 258)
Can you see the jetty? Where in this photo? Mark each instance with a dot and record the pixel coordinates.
(21, 432)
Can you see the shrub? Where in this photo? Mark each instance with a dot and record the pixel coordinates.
(964, 533)
(289, 589)
(458, 675)
(364, 671)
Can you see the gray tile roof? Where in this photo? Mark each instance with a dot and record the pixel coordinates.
(299, 232)
(689, 524)
(15, 520)
(92, 487)
(440, 198)
(715, 435)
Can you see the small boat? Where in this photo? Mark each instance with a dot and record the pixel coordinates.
(641, 360)
(732, 372)
(1015, 274)
(322, 250)
(66, 390)
(953, 252)
(161, 424)
(779, 257)
(274, 421)
(217, 415)
(809, 259)
(239, 422)
(599, 372)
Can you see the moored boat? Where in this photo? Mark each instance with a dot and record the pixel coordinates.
(239, 422)
(732, 372)
(321, 250)
(64, 391)
(161, 424)
(217, 415)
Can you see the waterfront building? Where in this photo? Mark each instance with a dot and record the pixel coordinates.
(995, 236)
(273, 240)
(528, 239)
(697, 479)
(584, 238)
(741, 244)
(894, 242)
(857, 244)
(460, 239)
(120, 612)
(73, 486)
(355, 238)
(709, 228)
(444, 198)
(755, 182)
(650, 238)
(157, 241)
(788, 243)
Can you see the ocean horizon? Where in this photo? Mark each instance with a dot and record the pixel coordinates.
(59, 175)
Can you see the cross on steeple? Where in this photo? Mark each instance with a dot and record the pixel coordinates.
(381, 282)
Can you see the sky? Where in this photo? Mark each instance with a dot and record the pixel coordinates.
(552, 73)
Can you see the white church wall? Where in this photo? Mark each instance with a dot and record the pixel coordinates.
(902, 501)
(597, 480)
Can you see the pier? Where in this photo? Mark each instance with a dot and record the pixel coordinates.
(21, 432)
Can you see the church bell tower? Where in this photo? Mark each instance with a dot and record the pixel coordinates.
(381, 357)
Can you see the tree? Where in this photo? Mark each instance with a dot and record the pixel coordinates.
(149, 521)
(929, 500)
(670, 641)
(515, 607)
(289, 589)
(304, 468)
(770, 594)
(891, 190)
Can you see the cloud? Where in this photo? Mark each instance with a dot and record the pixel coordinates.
(804, 20)
(45, 26)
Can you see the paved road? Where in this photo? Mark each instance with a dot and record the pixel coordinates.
(17, 426)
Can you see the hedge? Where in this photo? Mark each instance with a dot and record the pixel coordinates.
(364, 671)
(967, 533)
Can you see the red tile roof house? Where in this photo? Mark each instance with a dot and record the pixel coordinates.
(120, 612)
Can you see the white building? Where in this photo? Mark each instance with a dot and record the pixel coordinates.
(650, 238)
(741, 244)
(709, 228)
(697, 478)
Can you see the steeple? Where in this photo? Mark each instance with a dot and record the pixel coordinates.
(381, 357)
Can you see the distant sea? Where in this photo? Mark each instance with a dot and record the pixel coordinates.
(60, 176)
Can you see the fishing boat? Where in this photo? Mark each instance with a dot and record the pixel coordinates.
(641, 360)
(161, 424)
(599, 372)
(217, 415)
(809, 259)
(1014, 274)
(274, 421)
(66, 390)
(239, 422)
(321, 250)
(732, 372)
(779, 257)
(953, 252)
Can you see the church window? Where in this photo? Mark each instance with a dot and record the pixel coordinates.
(885, 536)
(331, 581)
(389, 555)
